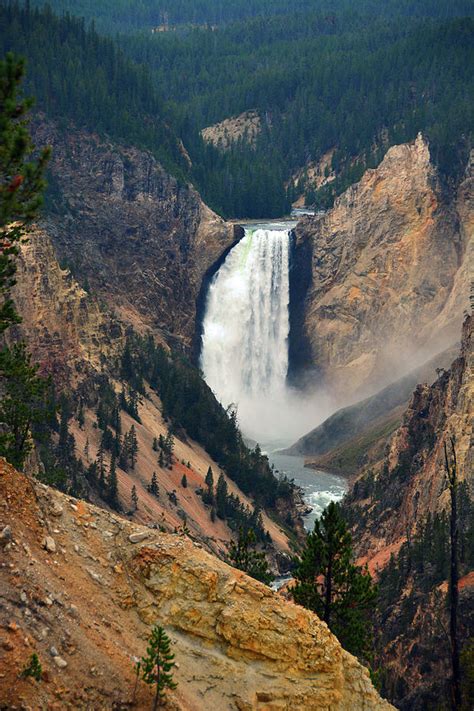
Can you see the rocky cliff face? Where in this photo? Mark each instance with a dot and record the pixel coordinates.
(381, 280)
(389, 506)
(81, 588)
(130, 232)
(67, 331)
(410, 479)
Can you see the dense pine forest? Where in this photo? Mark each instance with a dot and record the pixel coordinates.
(77, 75)
(327, 77)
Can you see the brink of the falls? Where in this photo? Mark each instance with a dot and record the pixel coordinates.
(244, 353)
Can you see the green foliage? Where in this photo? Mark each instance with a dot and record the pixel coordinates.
(134, 497)
(24, 403)
(184, 481)
(156, 666)
(467, 667)
(244, 556)
(111, 494)
(208, 495)
(21, 179)
(357, 81)
(33, 669)
(153, 487)
(78, 76)
(328, 583)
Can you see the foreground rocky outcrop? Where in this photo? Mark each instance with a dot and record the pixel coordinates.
(130, 233)
(380, 281)
(81, 587)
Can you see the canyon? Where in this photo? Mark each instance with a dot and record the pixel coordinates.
(125, 246)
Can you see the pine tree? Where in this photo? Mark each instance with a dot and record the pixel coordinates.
(209, 480)
(33, 668)
(184, 481)
(161, 460)
(244, 556)
(221, 497)
(155, 444)
(328, 583)
(112, 485)
(134, 497)
(21, 179)
(101, 468)
(22, 405)
(153, 486)
(80, 415)
(132, 446)
(156, 666)
(451, 470)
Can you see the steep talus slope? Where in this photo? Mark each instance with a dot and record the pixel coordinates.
(388, 277)
(410, 480)
(81, 587)
(130, 232)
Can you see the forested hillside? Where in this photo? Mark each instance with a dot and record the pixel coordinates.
(132, 15)
(323, 76)
(77, 75)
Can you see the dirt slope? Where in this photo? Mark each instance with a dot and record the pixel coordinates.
(82, 586)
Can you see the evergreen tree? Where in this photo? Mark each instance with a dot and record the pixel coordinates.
(21, 179)
(134, 497)
(328, 583)
(153, 485)
(112, 485)
(23, 403)
(209, 480)
(244, 556)
(80, 415)
(221, 497)
(101, 468)
(33, 668)
(132, 446)
(161, 459)
(155, 444)
(156, 667)
(184, 481)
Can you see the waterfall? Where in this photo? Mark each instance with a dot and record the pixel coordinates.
(244, 353)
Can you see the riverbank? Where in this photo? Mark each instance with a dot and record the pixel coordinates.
(318, 489)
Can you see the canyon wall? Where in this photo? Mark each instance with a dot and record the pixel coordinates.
(397, 508)
(238, 645)
(133, 235)
(380, 281)
(410, 477)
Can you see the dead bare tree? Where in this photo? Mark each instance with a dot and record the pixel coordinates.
(451, 467)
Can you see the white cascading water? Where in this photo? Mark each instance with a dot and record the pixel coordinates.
(245, 330)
